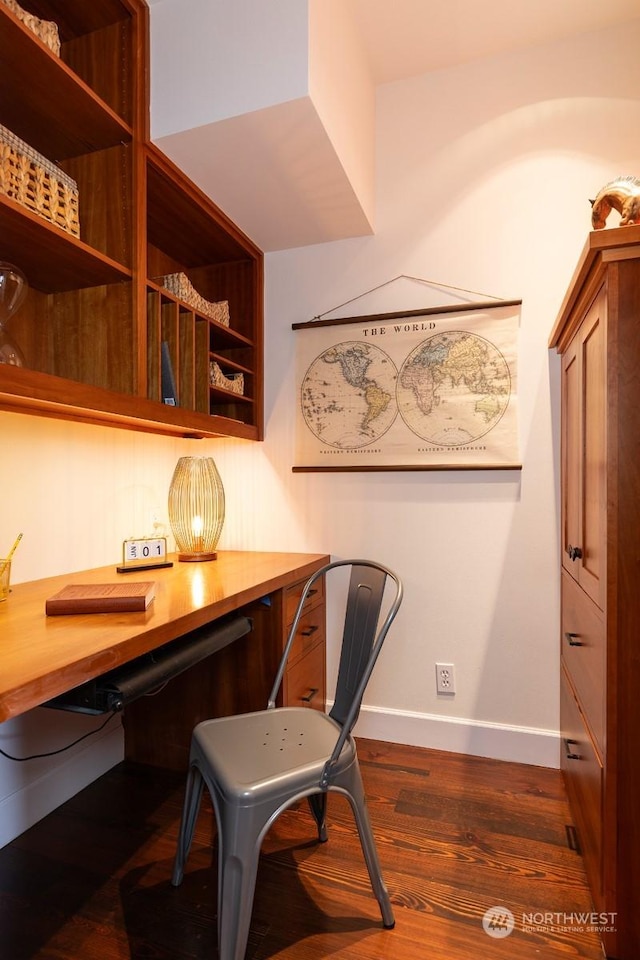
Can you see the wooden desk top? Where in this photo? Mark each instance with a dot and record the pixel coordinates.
(41, 657)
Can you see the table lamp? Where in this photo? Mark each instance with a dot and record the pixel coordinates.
(196, 508)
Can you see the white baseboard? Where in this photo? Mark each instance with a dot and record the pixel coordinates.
(457, 735)
(21, 809)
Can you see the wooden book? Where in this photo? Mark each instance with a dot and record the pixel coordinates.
(101, 598)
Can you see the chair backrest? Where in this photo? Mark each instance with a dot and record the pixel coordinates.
(364, 602)
(362, 639)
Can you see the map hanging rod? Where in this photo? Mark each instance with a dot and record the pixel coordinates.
(404, 276)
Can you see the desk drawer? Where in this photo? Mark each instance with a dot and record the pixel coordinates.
(583, 776)
(292, 598)
(304, 682)
(584, 655)
(310, 632)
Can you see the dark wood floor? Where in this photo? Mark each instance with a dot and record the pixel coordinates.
(456, 836)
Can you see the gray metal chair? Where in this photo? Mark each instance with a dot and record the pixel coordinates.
(255, 765)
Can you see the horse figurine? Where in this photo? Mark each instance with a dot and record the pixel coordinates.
(623, 195)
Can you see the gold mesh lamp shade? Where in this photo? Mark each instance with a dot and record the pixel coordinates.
(196, 508)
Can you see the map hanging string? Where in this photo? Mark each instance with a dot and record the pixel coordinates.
(404, 276)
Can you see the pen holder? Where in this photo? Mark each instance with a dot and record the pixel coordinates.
(5, 578)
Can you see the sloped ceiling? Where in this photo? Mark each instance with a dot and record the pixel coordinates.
(409, 37)
(276, 171)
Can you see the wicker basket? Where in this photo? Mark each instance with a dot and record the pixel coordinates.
(45, 30)
(180, 286)
(235, 382)
(37, 184)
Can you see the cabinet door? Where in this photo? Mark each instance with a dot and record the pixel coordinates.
(583, 453)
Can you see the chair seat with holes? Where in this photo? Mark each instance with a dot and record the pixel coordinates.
(268, 752)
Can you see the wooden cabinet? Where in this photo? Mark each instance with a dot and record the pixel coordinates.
(598, 335)
(96, 315)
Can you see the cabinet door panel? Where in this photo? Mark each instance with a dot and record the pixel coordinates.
(571, 457)
(583, 654)
(593, 469)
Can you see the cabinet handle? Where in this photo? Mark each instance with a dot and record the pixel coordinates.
(575, 553)
(570, 755)
(312, 592)
(309, 631)
(572, 640)
(312, 693)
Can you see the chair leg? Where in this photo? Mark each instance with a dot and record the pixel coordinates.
(318, 807)
(239, 839)
(359, 807)
(192, 797)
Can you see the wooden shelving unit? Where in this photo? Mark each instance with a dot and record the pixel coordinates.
(96, 314)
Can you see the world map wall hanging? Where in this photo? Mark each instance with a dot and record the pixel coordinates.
(432, 389)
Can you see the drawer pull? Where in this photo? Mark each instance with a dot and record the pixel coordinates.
(575, 553)
(572, 639)
(568, 744)
(313, 691)
(309, 631)
(312, 592)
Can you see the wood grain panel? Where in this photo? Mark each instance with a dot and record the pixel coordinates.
(584, 655)
(304, 681)
(292, 598)
(592, 569)
(571, 456)
(310, 632)
(624, 566)
(583, 774)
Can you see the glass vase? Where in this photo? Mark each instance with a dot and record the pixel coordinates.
(13, 290)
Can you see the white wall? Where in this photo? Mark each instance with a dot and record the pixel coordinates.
(342, 92)
(239, 57)
(484, 174)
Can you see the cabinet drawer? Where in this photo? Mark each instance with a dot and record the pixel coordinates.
(304, 681)
(292, 598)
(584, 656)
(310, 632)
(583, 778)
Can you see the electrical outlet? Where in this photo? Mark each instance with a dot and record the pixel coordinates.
(445, 678)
